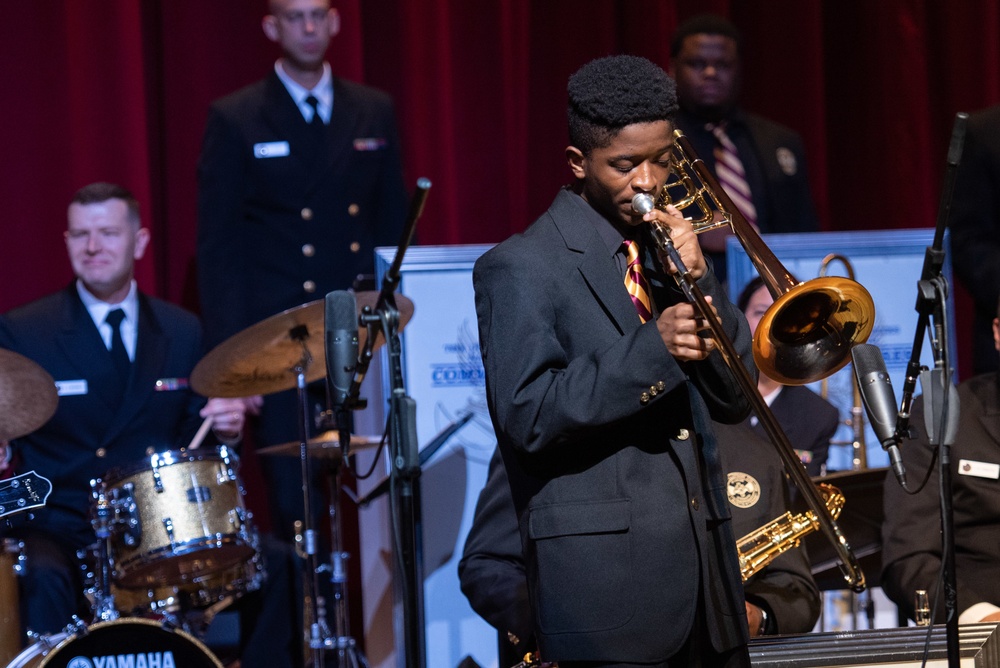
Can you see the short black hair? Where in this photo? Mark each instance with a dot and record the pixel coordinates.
(609, 93)
(95, 193)
(705, 24)
(753, 286)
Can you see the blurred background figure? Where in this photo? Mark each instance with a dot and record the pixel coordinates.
(760, 163)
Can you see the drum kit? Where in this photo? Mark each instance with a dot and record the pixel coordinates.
(176, 542)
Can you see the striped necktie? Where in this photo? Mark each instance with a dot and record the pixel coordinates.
(729, 170)
(635, 282)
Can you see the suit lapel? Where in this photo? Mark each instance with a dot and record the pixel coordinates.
(83, 346)
(595, 264)
(283, 116)
(150, 353)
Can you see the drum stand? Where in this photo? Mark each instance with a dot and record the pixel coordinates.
(318, 637)
(106, 515)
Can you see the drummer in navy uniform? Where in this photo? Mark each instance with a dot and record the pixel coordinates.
(121, 360)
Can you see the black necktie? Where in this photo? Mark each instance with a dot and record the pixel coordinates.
(317, 120)
(119, 356)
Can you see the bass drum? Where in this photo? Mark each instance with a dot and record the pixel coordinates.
(129, 642)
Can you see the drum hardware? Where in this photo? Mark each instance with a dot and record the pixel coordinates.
(282, 352)
(805, 335)
(12, 565)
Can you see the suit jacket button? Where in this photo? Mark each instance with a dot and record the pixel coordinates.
(644, 398)
(307, 213)
(661, 386)
(101, 452)
(308, 250)
(353, 209)
(683, 435)
(653, 391)
(309, 286)
(355, 246)
(694, 503)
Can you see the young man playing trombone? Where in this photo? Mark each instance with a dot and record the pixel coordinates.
(601, 387)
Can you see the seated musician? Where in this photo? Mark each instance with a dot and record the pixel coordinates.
(121, 360)
(808, 420)
(911, 533)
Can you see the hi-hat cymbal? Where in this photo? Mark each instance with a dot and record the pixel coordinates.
(325, 445)
(28, 396)
(262, 358)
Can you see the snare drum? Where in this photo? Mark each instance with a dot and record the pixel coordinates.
(128, 642)
(11, 565)
(186, 518)
(204, 596)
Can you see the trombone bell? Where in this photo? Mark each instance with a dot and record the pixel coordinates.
(808, 332)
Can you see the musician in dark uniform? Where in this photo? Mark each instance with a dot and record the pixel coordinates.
(706, 60)
(601, 392)
(911, 533)
(123, 391)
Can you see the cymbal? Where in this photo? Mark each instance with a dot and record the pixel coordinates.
(325, 445)
(262, 358)
(28, 396)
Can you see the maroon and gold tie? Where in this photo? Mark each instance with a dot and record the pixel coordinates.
(635, 282)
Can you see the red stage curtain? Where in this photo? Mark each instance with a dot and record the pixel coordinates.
(118, 89)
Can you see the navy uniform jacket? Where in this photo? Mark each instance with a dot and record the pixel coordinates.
(95, 430)
(283, 216)
(911, 533)
(606, 441)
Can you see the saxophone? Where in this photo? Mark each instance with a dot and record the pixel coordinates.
(762, 546)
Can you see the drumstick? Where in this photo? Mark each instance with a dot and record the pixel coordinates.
(200, 436)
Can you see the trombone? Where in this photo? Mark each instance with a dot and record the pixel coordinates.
(805, 335)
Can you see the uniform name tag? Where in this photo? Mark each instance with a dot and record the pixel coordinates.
(978, 469)
(271, 149)
(71, 388)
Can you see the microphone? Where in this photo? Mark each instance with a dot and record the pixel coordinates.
(880, 402)
(642, 203)
(341, 325)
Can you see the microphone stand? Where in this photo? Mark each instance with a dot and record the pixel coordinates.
(403, 447)
(932, 290)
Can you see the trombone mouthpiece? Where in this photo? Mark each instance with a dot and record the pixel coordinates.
(642, 203)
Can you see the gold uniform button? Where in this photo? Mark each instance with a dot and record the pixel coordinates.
(653, 390)
(353, 210)
(661, 386)
(355, 246)
(307, 214)
(694, 503)
(101, 452)
(308, 250)
(309, 286)
(683, 435)
(644, 398)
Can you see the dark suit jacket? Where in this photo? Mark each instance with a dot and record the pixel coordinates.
(975, 228)
(808, 420)
(491, 570)
(911, 533)
(276, 232)
(94, 432)
(774, 159)
(606, 440)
